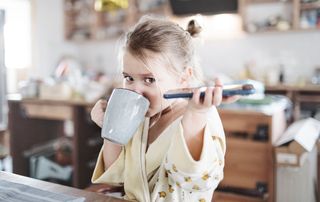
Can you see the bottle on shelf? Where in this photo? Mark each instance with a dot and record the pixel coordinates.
(281, 74)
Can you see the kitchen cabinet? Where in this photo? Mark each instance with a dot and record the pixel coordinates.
(305, 99)
(294, 15)
(34, 122)
(250, 171)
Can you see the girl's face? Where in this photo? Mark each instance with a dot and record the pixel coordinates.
(151, 81)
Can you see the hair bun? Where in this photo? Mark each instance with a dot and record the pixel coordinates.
(194, 28)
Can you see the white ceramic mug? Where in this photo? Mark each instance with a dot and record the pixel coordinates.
(125, 112)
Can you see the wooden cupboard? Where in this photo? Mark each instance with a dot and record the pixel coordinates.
(249, 173)
(34, 122)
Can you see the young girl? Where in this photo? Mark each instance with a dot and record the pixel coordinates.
(178, 152)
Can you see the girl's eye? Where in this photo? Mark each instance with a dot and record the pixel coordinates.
(150, 80)
(128, 78)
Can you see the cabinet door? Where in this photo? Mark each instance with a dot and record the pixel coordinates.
(247, 163)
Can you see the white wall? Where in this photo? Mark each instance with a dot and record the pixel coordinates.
(48, 36)
(101, 55)
(298, 51)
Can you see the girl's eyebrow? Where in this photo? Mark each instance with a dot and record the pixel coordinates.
(142, 75)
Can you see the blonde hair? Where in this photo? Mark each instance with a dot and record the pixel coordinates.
(167, 39)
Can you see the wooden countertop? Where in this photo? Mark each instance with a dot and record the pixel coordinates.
(18, 98)
(312, 88)
(56, 188)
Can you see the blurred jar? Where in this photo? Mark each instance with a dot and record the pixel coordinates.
(29, 88)
(316, 77)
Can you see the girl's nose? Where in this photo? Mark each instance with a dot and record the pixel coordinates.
(138, 91)
(137, 88)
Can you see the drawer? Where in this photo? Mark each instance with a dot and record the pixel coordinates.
(247, 162)
(47, 111)
(246, 122)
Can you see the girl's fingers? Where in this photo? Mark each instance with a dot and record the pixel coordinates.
(103, 104)
(196, 96)
(208, 97)
(217, 98)
(97, 112)
(213, 96)
(218, 83)
(230, 99)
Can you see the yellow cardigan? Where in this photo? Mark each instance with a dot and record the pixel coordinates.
(167, 171)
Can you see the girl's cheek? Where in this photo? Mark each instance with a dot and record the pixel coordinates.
(155, 101)
(152, 98)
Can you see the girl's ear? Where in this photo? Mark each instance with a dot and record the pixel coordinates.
(186, 76)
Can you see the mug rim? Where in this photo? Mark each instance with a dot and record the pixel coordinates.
(121, 88)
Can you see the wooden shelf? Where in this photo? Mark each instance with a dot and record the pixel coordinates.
(309, 6)
(275, 31)
(296, 12)
(83, 23)
(298, 95)
(315, 88)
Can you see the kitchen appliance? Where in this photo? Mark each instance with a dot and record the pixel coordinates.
(189, 7)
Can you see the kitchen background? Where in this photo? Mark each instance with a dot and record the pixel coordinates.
(60, 56)
(226, 49)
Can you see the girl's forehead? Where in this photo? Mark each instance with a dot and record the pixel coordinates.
(151, 65)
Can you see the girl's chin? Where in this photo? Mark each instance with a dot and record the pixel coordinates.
(151, 113)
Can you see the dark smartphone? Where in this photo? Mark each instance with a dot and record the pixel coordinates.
(228, 90)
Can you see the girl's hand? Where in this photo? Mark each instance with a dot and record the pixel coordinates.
(230, 99)
(213, 96)
(195, 119)
(97, 112)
